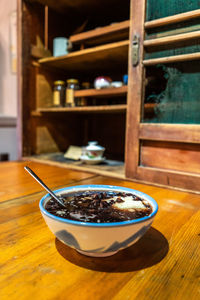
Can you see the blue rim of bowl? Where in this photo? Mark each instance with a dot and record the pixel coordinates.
(100, 187)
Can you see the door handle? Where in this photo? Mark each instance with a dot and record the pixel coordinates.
(135, 50)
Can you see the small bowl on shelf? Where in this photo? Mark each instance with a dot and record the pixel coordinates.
(102, 82)
(116, 84)
(92, 153)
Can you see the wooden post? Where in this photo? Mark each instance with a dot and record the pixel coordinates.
(135, 89)
(46, 21)
(19, 79)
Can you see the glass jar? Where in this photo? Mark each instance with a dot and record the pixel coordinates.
(72, 85)
(59, 93)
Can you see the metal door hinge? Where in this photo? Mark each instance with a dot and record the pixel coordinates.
(135, 50)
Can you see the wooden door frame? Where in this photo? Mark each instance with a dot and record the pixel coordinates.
(135, 88)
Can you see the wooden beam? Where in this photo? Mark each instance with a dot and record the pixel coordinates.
(170, 132)
(171, 59)
(172, 39)
(173, 19)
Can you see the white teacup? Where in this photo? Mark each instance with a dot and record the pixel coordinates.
(93, 151)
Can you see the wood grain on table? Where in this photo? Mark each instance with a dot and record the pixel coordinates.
(16, 182)
(164, 264)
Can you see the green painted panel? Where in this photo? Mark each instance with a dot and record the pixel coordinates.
(175, 88)
(190, 46)
(171, 50)
(163, 8)
(179, 102)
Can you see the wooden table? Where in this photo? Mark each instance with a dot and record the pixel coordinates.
(164, 264)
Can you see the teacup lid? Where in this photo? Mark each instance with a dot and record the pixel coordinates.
(93, 145)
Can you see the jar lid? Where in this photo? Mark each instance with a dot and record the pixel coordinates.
(93, 146)
(72, 80)
(59, 82)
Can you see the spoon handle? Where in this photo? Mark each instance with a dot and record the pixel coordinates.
(43, 184)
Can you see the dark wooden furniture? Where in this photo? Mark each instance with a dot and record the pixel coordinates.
(163, 147)
(99, 32)
(164, 264)
(150, 128)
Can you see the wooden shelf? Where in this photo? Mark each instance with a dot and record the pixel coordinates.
(111, 92)
(89, 109)
(111, 168)
(173, 19)
(114, 54)
(103, 34)
(85, 109)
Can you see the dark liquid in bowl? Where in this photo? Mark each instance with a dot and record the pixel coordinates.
(100, 207)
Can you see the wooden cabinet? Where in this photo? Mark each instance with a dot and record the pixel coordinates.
(148, 135)
(163, 145)
(99, 33)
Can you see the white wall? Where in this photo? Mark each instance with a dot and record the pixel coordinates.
(8, 82)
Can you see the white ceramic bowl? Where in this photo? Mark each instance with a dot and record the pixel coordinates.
(102, 82)
(93, 151)
(98, 239)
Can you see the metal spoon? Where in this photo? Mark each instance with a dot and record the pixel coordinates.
(58, 199)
